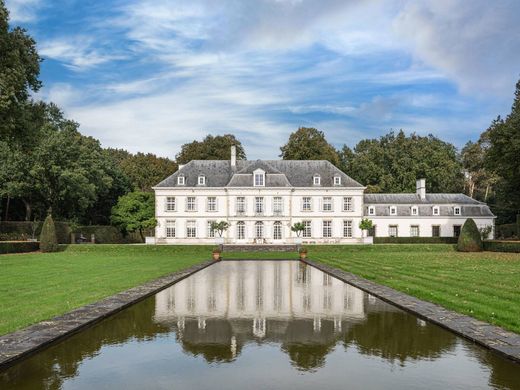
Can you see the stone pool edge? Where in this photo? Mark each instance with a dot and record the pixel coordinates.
(502, 341)
(27, 341)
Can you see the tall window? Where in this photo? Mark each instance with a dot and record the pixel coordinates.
(371, 210)
(327, 229)
(191, 203)
(241, 205)
(347, 229)
(212, 203)
(436, 231)
(259, 179)
(393, 210)
(414, 210)
(337, 180)
(347, 203)
(191, 229)
(241, 230)
(210, 232)
(259, 205)
(277, 205)
(170, 228)
(170, 203)
(435, 210)
(392, 230)
(259, 229)
(316, 180)
(456, 230)
(327, 203)
(180, 180)
(307, 229)
(306, 203)
(277, 230)
(414, 231)
(456, 210)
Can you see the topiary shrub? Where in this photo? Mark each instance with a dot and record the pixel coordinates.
(48, 240)
(469, 239)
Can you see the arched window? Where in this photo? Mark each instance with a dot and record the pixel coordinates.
(277, 230)
(241, 230)
(259, 229)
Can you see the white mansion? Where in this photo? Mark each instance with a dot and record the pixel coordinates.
(262, 199)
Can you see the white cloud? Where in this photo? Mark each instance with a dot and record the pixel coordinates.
(22, 10)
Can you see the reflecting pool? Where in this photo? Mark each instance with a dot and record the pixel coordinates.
(263, 325)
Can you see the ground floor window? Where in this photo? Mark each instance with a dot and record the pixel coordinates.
(191, 229)
(170, 228)
(307, 229)
(277, 230)
(259, 229)
(414, 231)
(392, 231)
(372, 231)
(327, 229)
(456, 230)
(347, 229)
(436, 231)
(241, 230)
(210, 231)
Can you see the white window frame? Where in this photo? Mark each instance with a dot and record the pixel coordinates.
(259, 229)
(414, 211)
(259, 201)
(170, 228)
(306, 205)
(191, 205)
(277, 230)
(327, 204)
(393, 210)
(260, 175)
(201, 181)
(277, 205)
(240, 204)
(326, 228)
(211, 205)
(371, 210)
(436, 211)
(412, 228)
(347, 228)
(191, 229)
(170, 204)
(241, 230)
(316, 180)
(210, 233)
(181, 180)
(348, 203)
(337, 180)
(390, 228)
(457, 210)
(307, 229)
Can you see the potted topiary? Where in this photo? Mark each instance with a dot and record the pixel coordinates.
(365, 225)
(220, 228)
(303, 253)
(216, 253)
(298, 228)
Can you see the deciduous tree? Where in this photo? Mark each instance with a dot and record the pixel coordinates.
(308, 143)
(210, 148)
(135, 211)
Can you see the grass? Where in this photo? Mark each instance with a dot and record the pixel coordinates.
(483, 285)
(37, 286)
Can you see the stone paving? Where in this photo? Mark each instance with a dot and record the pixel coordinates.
(27, 341)
(490, 336)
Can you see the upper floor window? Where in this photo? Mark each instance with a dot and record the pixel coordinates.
(435, 210)
(277, 204)
(191, 203)
(327, 203)
(337, 180)
(414, 210)
(306, 203)
(212, 203)
(316, 180)
(259, 205)
(456, 210)
(259, 178)
(181, 180)
(241, 204)
(347, 203)
(393, 210)
(202, 180)
(170, 203)
(371, 210)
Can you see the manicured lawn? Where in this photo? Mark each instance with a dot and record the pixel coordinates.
(483, 285)
(39, 286)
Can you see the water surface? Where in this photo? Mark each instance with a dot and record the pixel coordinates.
(263, 325)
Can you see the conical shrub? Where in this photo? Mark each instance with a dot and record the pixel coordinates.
(469, 239)
(48, 240)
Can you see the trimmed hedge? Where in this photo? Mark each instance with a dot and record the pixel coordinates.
(107, 235)
(508, 230)
(22, 230)
(48, 240)
(469, 239)
(18, 246)
(415, 240)
(502, 246)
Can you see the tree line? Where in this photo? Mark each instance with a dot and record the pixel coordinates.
(48, 165)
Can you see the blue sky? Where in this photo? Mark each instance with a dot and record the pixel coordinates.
(151, 75)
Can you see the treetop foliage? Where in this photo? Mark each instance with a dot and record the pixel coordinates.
(308, 143)
(134, 211)
(211, 148)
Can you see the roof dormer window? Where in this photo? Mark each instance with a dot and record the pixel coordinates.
(316, 180)
(180, 180)
(259, 178)
(435, 210)
(371, 210)
(393, 210)
(414, 210)
(337, 180)
(202, 180)
(456, 210)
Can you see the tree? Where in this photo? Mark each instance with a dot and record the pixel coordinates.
(309, 144)
(366, 224)
(48, 240)
(298, 228)
(479, 180)
(134, 211)
(469, 238)
(210, 148)
(393, 163)
(219, 227)
(146, 170)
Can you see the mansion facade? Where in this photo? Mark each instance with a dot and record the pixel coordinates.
(262, 199)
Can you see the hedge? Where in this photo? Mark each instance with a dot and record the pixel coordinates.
(415, 240)
(22, 230)
(502, 246)
(107, 235)
(508, 230)
(18, 246)
(469, 238)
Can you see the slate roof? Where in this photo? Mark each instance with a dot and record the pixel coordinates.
(279, 173)
(415, 199)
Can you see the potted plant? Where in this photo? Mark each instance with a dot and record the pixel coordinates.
(298, 228)
(365, 225)
(220, 228)
(303, 253)
(216, 253)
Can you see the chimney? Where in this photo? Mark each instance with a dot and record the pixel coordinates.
(233, 155)
(421, 188)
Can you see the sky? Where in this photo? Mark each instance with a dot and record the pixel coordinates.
(151, 75)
